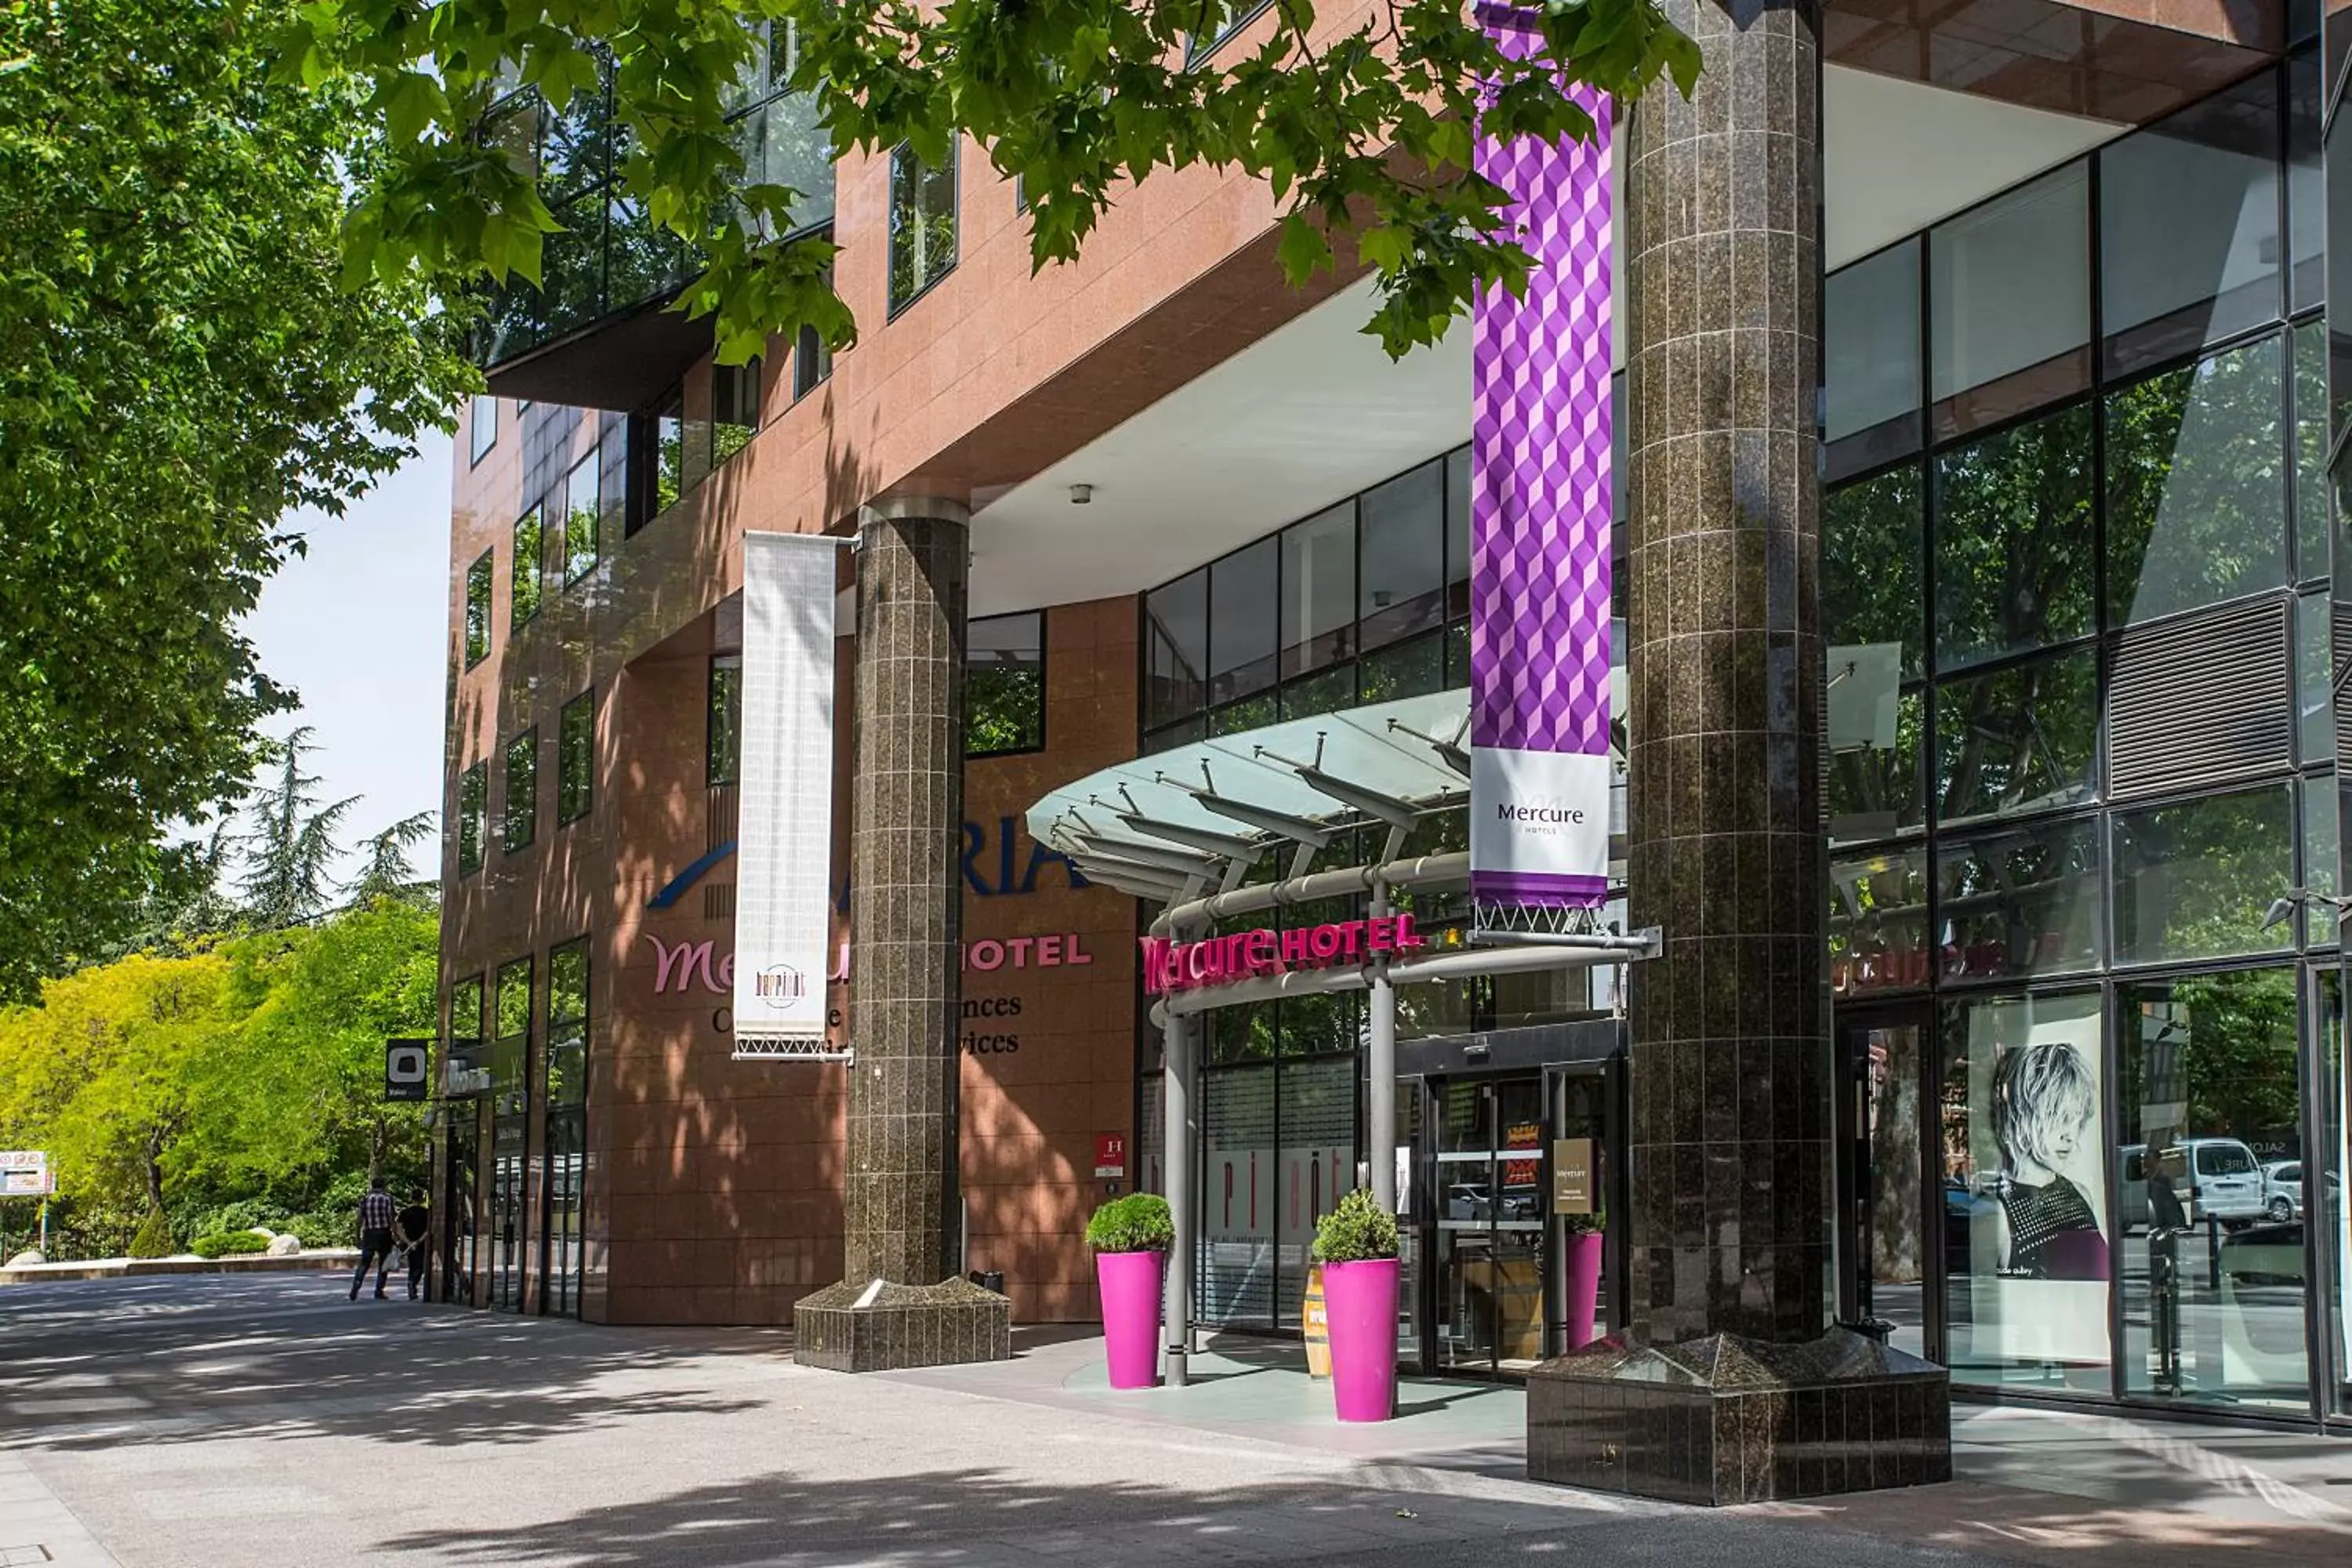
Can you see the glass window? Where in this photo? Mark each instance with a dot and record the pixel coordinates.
(724, 758)
(2188, 237)
(2314, 708)
(1874, 538)
(812, 362)
(660, 460)
(1870, 359)
(2010, 288)
(513, 1000)
(472, 817)
(583, 516)
(466, 1010)
(734, 408)
(479, 577)
(2339, 256)
(2306, 186)
(575, 758)
(922, 226)
(1873, 781)
(1220, 20)
(2212, 1116)
(1004, 685)
(523, 792)
(2022, 900)
(1243, 612)
(1878, 923)
(2196, 492)
(2325, 1204)
(1458, 533)
(1176, 658)
(2308, 344)
(1403, 586)
(2321, 806)
(1319, 589)
(1249, 713)
(482, 426)
(2196, 880)
(1316, 1160)
(2022, 739)
(1328, 691)
(2026, 1254)
(567, 1023)
(1409, 669)
(523, 600)
(2016, 544)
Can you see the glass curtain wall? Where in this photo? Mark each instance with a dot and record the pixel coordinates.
(2327, 167)
(510, 1098)
(2076, 568)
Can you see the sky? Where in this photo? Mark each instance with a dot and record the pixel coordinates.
(360, 628)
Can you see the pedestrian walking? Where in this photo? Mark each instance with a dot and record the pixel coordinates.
(375, 1238)
(415, 1224)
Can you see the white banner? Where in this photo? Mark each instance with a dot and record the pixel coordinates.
(785, 843)
(1539, 826)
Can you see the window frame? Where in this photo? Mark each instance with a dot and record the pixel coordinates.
(534, 515)
(954, 171)
(577, 569)
(524, 743)
(485, 567)
(583, 701)
(478, 448)
(1044, 677)
(477, 816)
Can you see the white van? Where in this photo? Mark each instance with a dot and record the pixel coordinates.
(2214, 1177)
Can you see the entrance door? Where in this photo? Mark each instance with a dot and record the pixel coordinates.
(1486, 1261)
(1584, 1117)
(1886, 1236)
(457, 1203)
(507, 1214)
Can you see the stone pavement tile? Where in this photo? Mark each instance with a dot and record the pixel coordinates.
(2040, 1527)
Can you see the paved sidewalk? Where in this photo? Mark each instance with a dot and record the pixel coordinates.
(253, 1422)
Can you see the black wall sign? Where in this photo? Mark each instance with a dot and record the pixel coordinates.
(408, 1072)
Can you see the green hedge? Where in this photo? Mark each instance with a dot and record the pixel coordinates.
(1137, 1223)
(229, 1242)
(155, 1237)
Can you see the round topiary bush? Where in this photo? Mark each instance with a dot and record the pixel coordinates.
(1138, 1223)
(1356, 1230)
(232, 1243)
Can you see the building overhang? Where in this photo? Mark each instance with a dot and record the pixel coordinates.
(620, 362)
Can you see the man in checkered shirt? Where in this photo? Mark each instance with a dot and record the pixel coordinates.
(375, 1238)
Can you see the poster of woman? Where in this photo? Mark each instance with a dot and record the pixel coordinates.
(2044, 1118)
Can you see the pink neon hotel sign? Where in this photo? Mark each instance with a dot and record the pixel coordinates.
(1246, 955)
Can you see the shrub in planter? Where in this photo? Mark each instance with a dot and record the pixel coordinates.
(1130, 1236)
(233, 1243)
(1357, 1245)
(155, 1237)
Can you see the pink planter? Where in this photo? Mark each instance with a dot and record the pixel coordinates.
(1583, 1287)
(1131, 1285)
(1361, 1300)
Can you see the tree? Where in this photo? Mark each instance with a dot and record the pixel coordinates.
(387, 873)
(178, 371)
(291, 852)
(1364, 135)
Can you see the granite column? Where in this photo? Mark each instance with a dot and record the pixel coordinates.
(900, 1302)
(1732, 1384)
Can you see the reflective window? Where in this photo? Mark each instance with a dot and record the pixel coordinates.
(583, 516)
(512, 1002)
(1872, 782)
(472, 817)
(812, 362)
(523, 594)
(2339, 256)
(1403, 589)
(1176, 650)
(575, 758)
(1326, 691)
(2010, 288)
(1870, 359)
(1878, 923)
(2321, 811)
(1319, 589)
(2022, 900)
(479, 577)
(2211, 1206)
(1239, 1197)
(2325, 1202)
(482, 426)
(521, 817)
(2313, 498)
(2306, 185)
(723, 752)
(2026, 1252)
(734, 408)
(1874, 537)
(1457, 532)
(2016, 540)
(2196, 879)
(1004, 684)
(2189, 241)
(465, 1010)
(1409, 669)
(1242, 621)
(2022, 739)
(922, 226)
(2196, 487)
(2315, 708)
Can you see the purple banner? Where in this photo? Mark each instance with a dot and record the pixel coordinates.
(1539, 529)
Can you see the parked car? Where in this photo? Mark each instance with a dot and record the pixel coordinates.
(2283, 1189)
(2216, 1178)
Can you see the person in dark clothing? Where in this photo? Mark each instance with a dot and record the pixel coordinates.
(411, 1228)
(375, 1238)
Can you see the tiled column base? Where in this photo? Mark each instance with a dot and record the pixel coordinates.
(884, 1327)
(1728, 1420)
